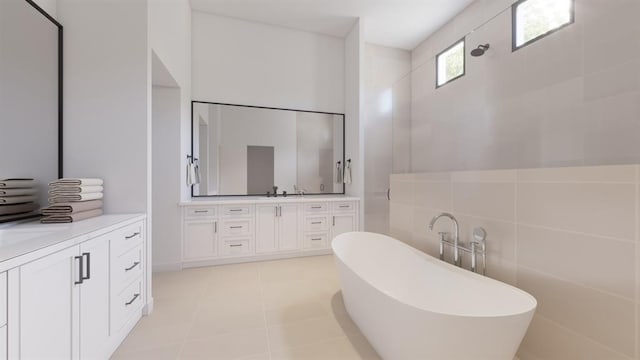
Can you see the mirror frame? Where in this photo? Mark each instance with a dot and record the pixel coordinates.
(344, 145)
(60, 81)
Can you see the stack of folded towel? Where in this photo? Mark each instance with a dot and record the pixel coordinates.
(18, 199)
(73, 200)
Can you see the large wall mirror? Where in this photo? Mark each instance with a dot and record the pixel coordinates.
(247, 150)
(30, 104)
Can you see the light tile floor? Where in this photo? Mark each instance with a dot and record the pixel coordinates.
(276, 310)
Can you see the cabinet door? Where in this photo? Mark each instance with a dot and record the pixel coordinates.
(200, 239)
(266, 240)
(288, 227)
(49, 307)
(94, 299)
(342, 224)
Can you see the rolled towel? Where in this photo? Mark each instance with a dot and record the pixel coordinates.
(69, 218)
(18, 208)
(63, 190)
(18, 192)
(74, 197)
(72, 207)
(17, 199)
(77, 182)
(17, 183)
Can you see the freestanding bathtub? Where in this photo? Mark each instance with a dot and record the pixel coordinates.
(412, 306)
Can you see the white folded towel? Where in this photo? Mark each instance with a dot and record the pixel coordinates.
(17, 183)
(77, 182)
(18, 199)
(74, 197)
(61, 190)
(18, 192)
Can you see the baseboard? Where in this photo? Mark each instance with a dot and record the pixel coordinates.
(254, 258)
(167, 267)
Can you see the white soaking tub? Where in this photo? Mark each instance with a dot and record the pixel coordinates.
(412, 306)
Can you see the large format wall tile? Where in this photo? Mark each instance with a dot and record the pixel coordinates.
(606, 264)
(489, 200)
(601, 209)
(550, 341)
(607, 319)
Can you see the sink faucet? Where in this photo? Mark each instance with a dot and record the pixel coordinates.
(456, 234)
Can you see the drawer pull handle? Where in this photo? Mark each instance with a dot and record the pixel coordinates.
(201, 211)
(345, 206)
(235, 210)
(132, 235)
(316, 223)
(316, 239)
(236, 227)
(316, 207)
(132, 266)
(237, 245)
(135, 296)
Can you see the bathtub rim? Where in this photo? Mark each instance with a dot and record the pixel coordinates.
(529, 309)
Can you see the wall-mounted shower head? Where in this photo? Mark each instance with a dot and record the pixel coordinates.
(480, 50)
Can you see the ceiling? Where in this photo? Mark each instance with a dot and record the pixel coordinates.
(395, 23)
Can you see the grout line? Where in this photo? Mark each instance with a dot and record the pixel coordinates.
(604, 292)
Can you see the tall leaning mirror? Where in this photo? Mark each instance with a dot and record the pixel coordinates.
(249, 150)
(30, 107)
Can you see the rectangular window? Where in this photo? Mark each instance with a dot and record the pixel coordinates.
(450, 64)
(535, 19)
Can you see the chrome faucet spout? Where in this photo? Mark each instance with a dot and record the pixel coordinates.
(456, 234)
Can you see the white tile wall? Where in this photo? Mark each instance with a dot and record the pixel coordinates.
(569, 236)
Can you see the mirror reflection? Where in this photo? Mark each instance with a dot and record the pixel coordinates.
(243, 150)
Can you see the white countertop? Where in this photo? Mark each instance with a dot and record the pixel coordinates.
(237, 200)
(30, 240)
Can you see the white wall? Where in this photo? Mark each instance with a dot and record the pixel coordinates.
(166, 185)
(247, 63)
(170, 39)
(106, 118)
(169, 31)
(354, 52)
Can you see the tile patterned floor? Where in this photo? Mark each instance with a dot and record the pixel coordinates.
(277, 310)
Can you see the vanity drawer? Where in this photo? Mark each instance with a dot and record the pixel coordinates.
(316, 223)
(240, 227)
(315, 241)
(126, 304)
(3, 299)
(238, 210)
(127, 267)
(127, 238)
(316, 208)
(236, 247)
(347, 206)
(196, 212)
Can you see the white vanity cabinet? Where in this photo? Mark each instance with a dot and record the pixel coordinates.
(200, 238)
(3, 316)
(277, 227)
(61, 302)
(238, 230)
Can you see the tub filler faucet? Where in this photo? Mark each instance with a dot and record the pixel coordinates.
(456, 237)
(478, 243)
